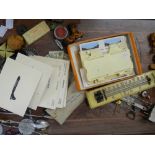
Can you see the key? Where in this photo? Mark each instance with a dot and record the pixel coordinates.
(117, 106)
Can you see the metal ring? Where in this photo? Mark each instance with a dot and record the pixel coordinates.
(131, 115)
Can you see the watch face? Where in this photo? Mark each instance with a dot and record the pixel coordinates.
(1, 130)
(26, 127)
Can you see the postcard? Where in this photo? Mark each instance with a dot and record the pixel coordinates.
(89, 45)
(101, 44)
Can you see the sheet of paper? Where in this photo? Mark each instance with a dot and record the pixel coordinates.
(59, 83)
(50, 96)
(108, 79)
(3, 30)
(9, 23)
(46, 71)
(63, 86)
(17, 86)
(62, 81)
(118, 63)
(152, 115)
(74, 99)
(85, 82)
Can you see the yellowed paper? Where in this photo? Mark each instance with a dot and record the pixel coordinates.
(99, 67)
(17, 86)
(36, 32)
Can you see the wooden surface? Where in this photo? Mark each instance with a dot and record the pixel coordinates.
(101, 120)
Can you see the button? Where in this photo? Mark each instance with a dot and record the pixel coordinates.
(98, 96)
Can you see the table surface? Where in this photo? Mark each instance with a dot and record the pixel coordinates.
(101, 120)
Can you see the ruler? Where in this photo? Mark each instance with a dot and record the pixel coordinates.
(106, 94)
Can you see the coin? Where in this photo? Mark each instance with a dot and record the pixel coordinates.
(26, 127)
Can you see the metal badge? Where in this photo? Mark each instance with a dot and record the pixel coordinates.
(26, 127)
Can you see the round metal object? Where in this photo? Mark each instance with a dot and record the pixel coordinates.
(1, 129)
(41, 124)
(131, 115)
(26, 127)
(145, 94)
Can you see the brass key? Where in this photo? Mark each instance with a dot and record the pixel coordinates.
(117, 106)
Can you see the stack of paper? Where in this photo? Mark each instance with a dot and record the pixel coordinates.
(105, 60)
(58, 85)
(33, 82)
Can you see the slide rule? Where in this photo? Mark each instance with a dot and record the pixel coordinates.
(109, 93)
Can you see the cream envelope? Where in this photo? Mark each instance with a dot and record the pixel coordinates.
(17, 86)
(118, 63)
(74, 99)
(49, 98)
(56, 95)
(64, 85)
(46, 71)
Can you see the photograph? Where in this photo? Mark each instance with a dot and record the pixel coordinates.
(89, 46)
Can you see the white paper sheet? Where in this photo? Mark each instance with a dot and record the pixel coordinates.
(56, 94)
(46, 71)
(152, 115)
(17, 86)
